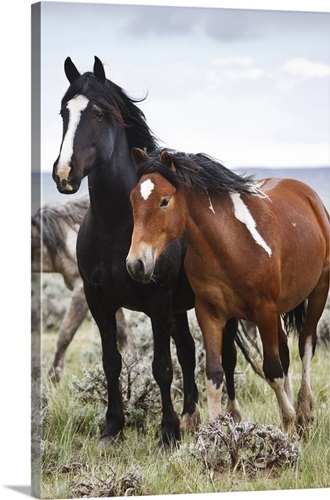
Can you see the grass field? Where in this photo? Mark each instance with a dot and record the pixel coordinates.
(73, 414)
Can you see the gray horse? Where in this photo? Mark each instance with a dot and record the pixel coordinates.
(53, 249)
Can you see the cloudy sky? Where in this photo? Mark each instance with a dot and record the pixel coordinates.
(250, 87)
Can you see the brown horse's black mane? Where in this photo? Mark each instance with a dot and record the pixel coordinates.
(198, 172)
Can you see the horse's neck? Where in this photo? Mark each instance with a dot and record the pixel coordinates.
(205, 216)
(110, 185)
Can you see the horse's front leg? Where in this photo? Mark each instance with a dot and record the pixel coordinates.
(160, 313)
(212, 327)
(74, 316)
(105, 319)
(185, 347)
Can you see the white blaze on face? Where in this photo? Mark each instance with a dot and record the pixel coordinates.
(243, 214)
(75, 106)
(146, 188)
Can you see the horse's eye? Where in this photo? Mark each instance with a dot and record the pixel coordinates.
(98, 115)
(164, 203)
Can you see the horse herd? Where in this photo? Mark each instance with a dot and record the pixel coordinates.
(163, 232)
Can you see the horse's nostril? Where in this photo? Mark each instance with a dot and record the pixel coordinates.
(136, 268)
(64, 182)
(139, 267)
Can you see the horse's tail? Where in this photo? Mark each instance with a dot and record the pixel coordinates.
(294, 320)
(244, 341)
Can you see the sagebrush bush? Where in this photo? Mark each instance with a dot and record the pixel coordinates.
(225, 444)
(141, 397)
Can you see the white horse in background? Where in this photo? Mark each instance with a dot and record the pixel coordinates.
(53, 250)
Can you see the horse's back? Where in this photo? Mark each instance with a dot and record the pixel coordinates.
(300, 213)
(276, 186)
(296, 195)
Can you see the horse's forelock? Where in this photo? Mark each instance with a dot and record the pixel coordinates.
(152, 165)
(114, 101)
(103, 95)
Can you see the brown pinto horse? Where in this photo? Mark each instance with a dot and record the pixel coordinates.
(255, 251)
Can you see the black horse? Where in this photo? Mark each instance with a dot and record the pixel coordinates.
(101, 125)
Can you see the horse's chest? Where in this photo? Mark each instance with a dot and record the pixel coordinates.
(106, 274)
(215, 285)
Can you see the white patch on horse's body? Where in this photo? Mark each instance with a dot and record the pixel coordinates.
(294, 224)
(243, 214)
(255, 189)
(213, 399)
(75, 106)
(146, 188)
(210, 205)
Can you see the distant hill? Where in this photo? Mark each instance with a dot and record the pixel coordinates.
(317, 178)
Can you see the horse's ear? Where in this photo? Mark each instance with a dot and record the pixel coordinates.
(166, 158)
(99, 70)
(138, 156)
(70, 70)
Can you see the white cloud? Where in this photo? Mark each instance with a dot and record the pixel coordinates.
(249, 74)
(301, 67)
(233, 69)
(235, 61)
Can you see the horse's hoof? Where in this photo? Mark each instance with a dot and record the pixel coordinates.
(304, 426)
(189, 423)
(110, 441)
(234, 410)
(55, 375)
(289, 427)
(169, 439)
(167, 446)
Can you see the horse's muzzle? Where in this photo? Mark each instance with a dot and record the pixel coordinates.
(141, 268)
(66, 186)
(136, 269)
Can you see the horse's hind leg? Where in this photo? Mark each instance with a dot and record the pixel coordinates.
(285, 359)
(229, 358)
(272, 366)
(307, 344)
(185, 347)
(74, 316)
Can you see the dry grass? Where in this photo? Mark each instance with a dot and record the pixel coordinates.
(252, 456)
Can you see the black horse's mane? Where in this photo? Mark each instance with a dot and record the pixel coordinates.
(198, 172)
(114, 101)
(49, 221)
